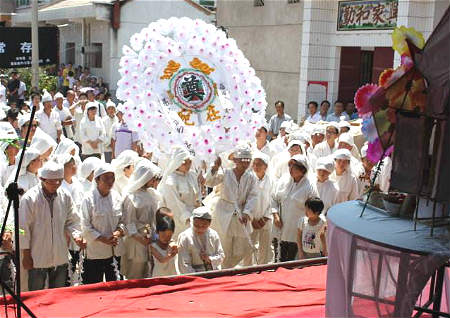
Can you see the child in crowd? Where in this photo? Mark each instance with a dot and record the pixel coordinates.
(164, 250)
(311, 231)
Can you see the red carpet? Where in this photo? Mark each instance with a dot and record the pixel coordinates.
(294, 293)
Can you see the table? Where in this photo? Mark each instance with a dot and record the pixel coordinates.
(379, 265)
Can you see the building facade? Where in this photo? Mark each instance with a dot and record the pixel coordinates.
(307, 50)
(93, 32)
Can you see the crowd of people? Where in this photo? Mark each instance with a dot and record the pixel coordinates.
(95, 206)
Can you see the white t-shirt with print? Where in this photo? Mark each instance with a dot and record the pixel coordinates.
(311, 234)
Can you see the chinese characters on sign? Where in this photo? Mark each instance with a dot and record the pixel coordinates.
(15, 47)
(367, 15)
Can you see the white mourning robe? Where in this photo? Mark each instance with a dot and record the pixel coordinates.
(263, 209)
(347, 185)
(323, 149)
(181, 195)
(289, 202)
(190, 245)
(139, 210)
(101, 216)
(91, 130)
(44, 231)
(234, 199)
(327, 193)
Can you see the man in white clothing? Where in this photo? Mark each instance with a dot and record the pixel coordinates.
(317, 135)
(47, 214)
(108, 122)
(64, 115)
(103, 226)
(262, 214)
(199, 247)
(237, 198)
(49, 121)
(329, 145)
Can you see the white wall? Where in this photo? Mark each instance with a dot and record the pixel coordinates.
(100, 33)
(270, 38)
(137, 14)
(70, 33)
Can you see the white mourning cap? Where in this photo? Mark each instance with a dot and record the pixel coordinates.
(51, 170)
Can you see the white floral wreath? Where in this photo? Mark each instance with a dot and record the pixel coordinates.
(185, 83)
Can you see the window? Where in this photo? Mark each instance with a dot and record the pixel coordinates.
(26, 3)
(293, 1)
(70, 52)
(258, 3)
(94, 55)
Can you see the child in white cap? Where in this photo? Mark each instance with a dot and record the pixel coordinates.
(327, 189)
(199, 247)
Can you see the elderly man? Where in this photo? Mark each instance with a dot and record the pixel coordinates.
(49, 120)
(102, 225)
(238, 194)
(277, 119)
(199, 246)
(64, 115)
(47, 214)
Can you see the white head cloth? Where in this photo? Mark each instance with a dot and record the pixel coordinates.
(51, 170)
(144, 171)
(102, 169)
(42, 141)
(30, 155)
(301, 159)
(88, 166)
(178, 157)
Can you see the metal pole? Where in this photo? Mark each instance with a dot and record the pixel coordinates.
(35, 44)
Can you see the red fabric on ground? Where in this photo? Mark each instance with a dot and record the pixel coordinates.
(295, 293)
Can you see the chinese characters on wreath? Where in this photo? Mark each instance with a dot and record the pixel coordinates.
(367, 15)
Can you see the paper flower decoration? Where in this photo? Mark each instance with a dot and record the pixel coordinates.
(399, 37)
(375, 151)
(362, 99)
(369, 129)
(185, 83)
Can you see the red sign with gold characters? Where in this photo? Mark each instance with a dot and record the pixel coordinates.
(367, 15)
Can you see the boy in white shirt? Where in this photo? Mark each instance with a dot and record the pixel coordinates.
(311, 231)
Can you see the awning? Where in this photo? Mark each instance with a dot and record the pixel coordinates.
(67, 10)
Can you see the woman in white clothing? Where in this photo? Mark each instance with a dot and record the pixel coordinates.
(123, 168)
(180, 189)
(68, 146)
(92, 133)
(43, 143)
(327, 189)
(345, 179)
(87, 172)
(289, 204)
(71, 184)
(28, 172)
(139, 210)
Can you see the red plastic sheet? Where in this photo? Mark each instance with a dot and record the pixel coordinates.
(294, 293)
